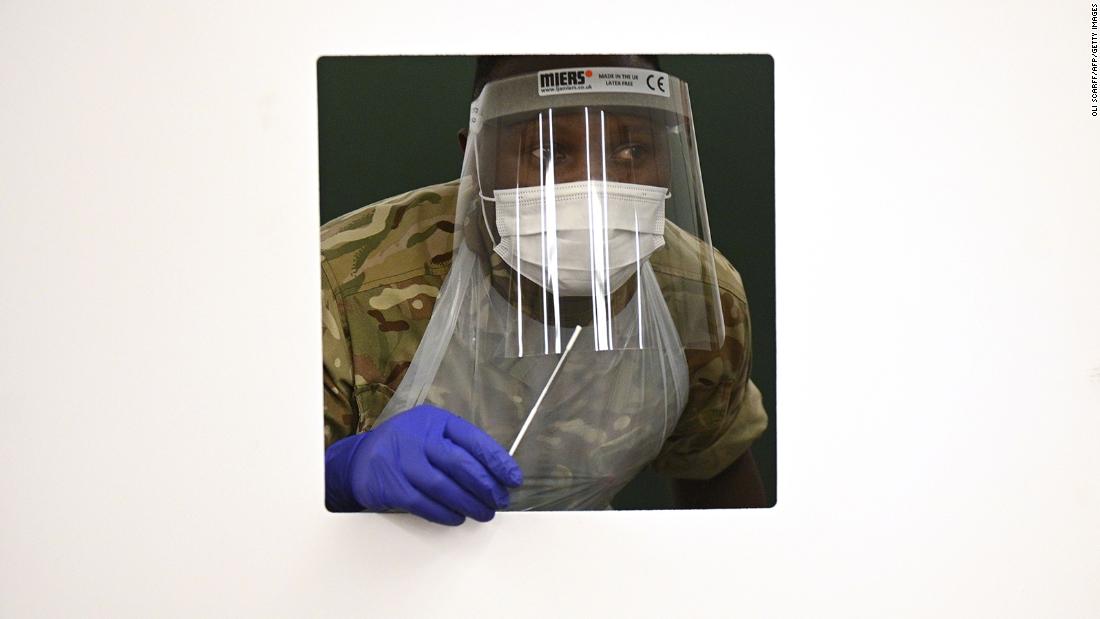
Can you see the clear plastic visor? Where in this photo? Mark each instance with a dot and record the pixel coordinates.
(590, 217)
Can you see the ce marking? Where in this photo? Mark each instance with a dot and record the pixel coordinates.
(660, 83)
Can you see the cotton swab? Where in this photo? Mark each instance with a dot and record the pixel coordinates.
(535, 408)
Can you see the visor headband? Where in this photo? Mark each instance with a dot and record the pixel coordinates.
(580, 86)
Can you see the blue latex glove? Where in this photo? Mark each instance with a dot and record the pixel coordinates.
(425, 461)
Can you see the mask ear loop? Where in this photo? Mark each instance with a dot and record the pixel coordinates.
(481, 196)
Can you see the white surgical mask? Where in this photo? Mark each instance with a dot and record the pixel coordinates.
(590, 236)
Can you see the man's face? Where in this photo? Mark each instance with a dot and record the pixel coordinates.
(633, 146)
(582, 144)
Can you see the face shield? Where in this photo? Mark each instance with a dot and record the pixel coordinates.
(582, 270)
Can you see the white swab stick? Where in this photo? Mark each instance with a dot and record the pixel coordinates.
(531, 415)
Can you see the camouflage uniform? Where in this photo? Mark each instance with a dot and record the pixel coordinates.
(381, 270)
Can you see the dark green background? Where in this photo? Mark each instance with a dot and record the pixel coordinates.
(388, 124)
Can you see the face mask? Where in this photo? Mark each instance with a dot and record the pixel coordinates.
(589, 236)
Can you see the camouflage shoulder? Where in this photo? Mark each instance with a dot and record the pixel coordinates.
(728, 277)
(392, 239)
(684, 256)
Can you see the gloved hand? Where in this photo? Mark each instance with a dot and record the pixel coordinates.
(425, 461)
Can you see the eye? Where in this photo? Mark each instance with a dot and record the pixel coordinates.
(543, 154)
(630, 153)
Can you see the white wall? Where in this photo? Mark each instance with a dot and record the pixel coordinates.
(939, 348)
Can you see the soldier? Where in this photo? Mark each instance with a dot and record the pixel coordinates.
(562, 298)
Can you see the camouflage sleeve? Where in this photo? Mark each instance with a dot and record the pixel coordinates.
(382, 265)
(341, 414)
(725, 412)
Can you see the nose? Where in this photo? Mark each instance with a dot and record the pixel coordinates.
(582, 168)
